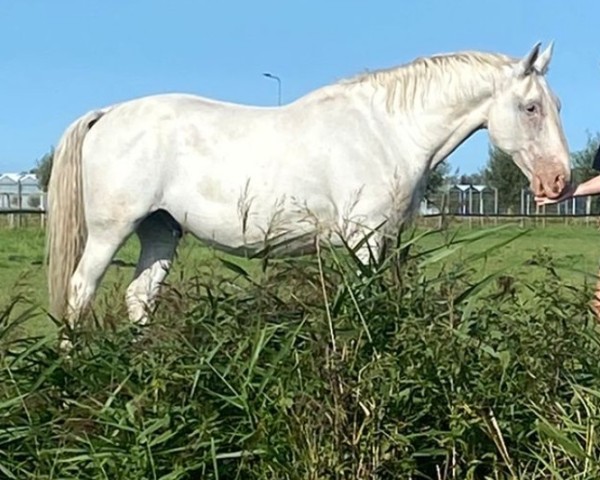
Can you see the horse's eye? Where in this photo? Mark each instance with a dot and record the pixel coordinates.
(532, 108)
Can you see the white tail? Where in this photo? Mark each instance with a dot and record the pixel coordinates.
(67, 230)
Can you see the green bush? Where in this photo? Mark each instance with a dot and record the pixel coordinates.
(311, 371)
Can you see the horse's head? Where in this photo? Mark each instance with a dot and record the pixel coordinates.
(524, 121)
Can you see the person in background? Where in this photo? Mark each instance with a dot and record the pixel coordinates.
(590, 187)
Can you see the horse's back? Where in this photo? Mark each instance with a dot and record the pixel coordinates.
(201, 160)
(202, 135)
(232, 173)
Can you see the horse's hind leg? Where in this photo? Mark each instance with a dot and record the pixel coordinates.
(101, 245)
(159, 235)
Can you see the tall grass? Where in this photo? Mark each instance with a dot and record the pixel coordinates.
(312, 371)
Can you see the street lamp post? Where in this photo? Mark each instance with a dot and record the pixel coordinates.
(278, 80)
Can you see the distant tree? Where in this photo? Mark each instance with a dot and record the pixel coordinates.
(582, 160)
(437, 179)
(43, 169)
(472, 179)
(581, 165)
(502, 173)
(457, 178)
(34, 201)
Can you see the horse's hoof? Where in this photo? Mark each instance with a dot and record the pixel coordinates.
(65, 346)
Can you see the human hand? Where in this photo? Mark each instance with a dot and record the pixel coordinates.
(565, 195)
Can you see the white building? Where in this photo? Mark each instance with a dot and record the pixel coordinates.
(20, 189)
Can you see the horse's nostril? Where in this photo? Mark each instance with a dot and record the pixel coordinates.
(560, 183)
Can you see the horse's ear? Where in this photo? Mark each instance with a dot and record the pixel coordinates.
(526, 64)
(542, 62)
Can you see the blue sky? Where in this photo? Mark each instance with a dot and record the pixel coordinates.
(61, 58)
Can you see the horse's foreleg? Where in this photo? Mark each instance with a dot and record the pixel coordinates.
(369, 248)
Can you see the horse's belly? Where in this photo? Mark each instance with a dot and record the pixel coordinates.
(240, 229)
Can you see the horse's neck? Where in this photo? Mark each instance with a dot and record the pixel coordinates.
(455, 129)
(439, 129)
(423, 134)
(434, 114)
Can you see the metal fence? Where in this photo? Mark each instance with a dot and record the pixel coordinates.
(21, 200)
(474, 204)
(466, 200)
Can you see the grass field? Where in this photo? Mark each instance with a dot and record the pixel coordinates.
(477, 360)
(575, 251)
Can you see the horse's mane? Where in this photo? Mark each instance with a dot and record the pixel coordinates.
(446, 77)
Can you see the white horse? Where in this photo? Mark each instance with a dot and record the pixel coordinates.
(336, 163)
